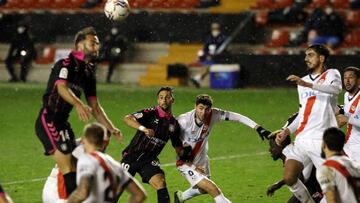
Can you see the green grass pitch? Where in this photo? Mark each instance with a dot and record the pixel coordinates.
(241, 165)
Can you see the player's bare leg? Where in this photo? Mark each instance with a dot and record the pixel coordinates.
(66, 166)
(158, 183)
(203, 187)
(292, 171)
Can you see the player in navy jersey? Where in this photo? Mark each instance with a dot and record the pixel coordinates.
(68, 78)
(155, 126)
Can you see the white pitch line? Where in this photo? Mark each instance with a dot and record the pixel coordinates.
(164, 165)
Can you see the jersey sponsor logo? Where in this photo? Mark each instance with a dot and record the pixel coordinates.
(307, 94)
(63, 73)
(171, 128)
(138, 115)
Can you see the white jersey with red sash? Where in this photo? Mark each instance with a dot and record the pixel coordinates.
(352, 111)
(107, 174)
(318, 104)
(197, 136)
(337, 174)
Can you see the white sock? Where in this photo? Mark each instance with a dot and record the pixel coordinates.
(300, 192)
(221, 199)
(190, 193)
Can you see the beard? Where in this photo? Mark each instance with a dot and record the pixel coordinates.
(322, 154)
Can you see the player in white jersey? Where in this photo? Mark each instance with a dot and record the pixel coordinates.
(339, 175)
(351, 112)
(99, 177)
(195, 127)
(318, 92)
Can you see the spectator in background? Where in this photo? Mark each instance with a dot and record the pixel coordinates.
(21, 50)
(113, 50)
(291, 14)
(324, 26)
(355, 4)
(207, 54)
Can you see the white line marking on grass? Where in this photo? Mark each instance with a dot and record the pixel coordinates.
(163, 165)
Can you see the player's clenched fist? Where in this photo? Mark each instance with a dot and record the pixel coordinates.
(280, 137)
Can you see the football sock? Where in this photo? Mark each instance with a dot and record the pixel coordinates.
(70, 182)
(163, 196)
(190, 193)
(221, 199)
(300, 191)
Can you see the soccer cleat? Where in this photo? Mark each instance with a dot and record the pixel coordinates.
(178, 197)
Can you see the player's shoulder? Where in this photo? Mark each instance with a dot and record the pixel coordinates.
(333, 71)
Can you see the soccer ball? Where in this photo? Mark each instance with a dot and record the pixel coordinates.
(117, 10)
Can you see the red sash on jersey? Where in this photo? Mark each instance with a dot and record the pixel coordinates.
(108, 171)
(308, 107)
(61, 186)
(205, 128)
(351, 111)
(353, 181)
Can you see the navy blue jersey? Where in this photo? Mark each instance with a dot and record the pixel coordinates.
(165, 126)
(78, 75)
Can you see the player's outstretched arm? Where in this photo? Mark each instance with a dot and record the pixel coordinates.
(131, 121)
(136, 192)
(83, 111)
(102, 118)
(82, 191)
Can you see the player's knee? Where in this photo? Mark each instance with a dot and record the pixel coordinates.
(206, 186)
(158, 181)
(290, 179)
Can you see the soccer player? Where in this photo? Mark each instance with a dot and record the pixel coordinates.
(155, 126)
(4, 198)
(99, 177)
(307, 175)
(67, 79)
(195, 127)
(337, 176)
(318, 92)
(351, 112)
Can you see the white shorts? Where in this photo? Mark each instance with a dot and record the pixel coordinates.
(50, 190)
(306, 151)
(192, 175)
(353, 151)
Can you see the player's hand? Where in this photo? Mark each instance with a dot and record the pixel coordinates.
(117, 133)
(272, 188)
(341, 120)
(263, 133)
(186, 154)
(84, 111)
(280, 137)
(298, 81)
(149, 132)
(200, 169)
(274, 133)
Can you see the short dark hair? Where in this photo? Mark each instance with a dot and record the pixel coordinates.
(354, 70)
(204, 99)
(81, 35)
(166, 88)
(320, 49)
(95, 133)
(334, 138)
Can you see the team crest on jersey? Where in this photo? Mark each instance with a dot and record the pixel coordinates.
(171, 128)
(155, 163)
(138, 115)
(63, 73)
(63, 147)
